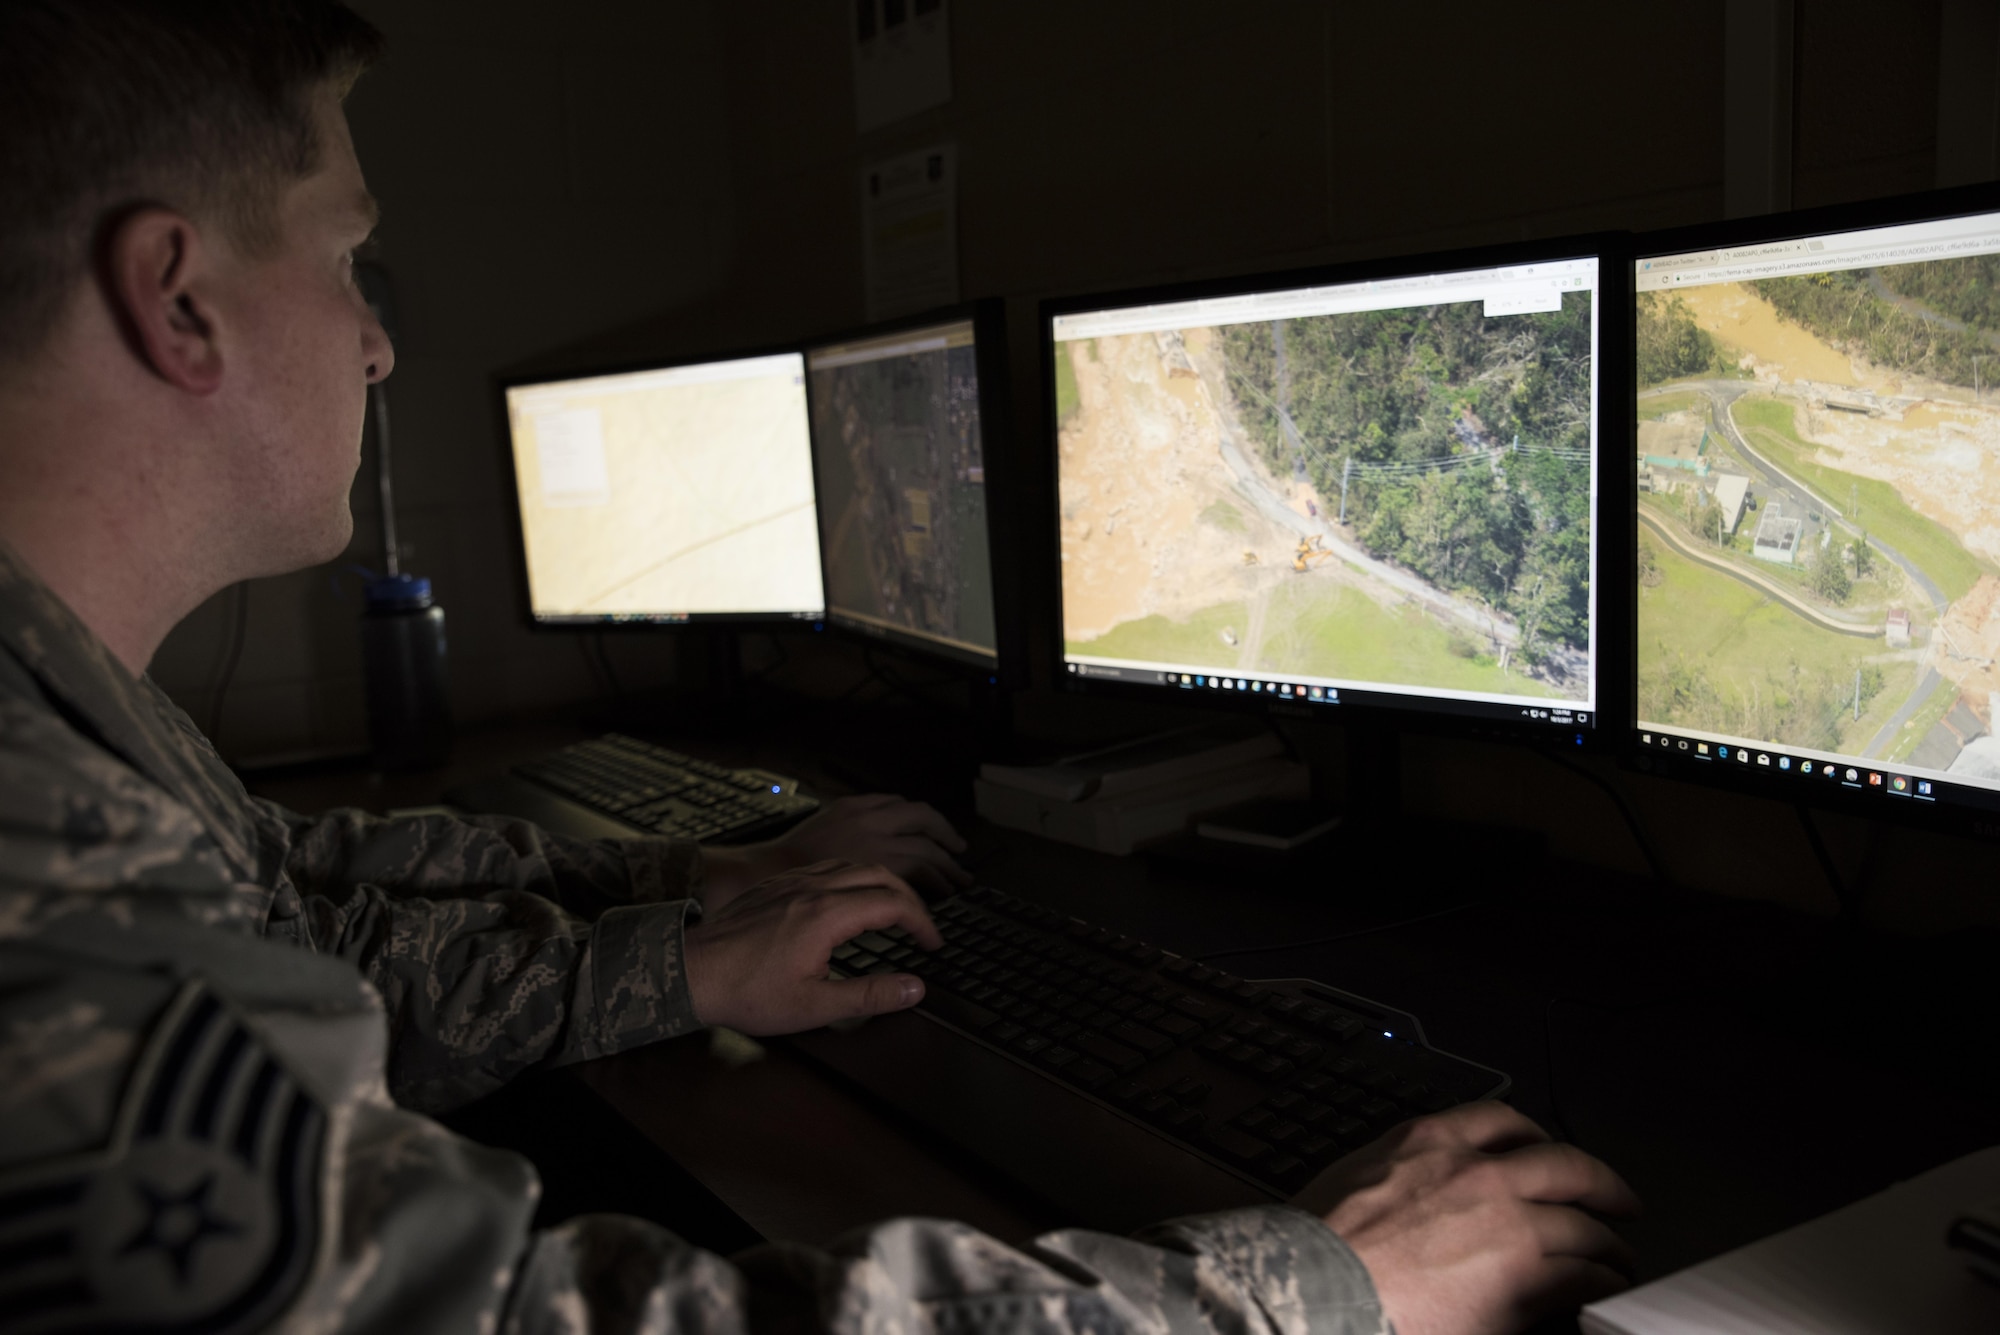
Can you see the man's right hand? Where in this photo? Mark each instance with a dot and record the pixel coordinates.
(1469, 1222)
(759, 963)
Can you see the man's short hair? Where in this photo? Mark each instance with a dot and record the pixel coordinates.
(205, 106)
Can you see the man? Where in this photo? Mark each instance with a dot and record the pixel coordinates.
(218, 1019)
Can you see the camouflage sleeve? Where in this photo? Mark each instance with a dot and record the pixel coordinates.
(442, 855)
(482, 987)
(497, 946)
(1270, 1271)
(195, 1133)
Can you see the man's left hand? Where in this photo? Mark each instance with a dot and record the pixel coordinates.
(908, 838)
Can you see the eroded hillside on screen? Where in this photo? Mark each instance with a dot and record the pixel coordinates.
(1819, 504)
(1398, 497)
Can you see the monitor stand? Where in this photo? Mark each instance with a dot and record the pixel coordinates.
(1382, 859)
(713, 704)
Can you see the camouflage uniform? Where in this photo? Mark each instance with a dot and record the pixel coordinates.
(202, 1129)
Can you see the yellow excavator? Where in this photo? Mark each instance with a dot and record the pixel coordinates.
(1309, 551)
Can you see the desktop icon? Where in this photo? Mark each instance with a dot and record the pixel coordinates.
(1742, 756)
(1701, 748)
(1313, 691)
(1684, 745)
(1874, 779)
(1899, 783)
(1923, 787)
(1763, 759)
(1721, 751)
(1646, 738)
(1805, 767)
(1853, 775)
(1229, 683)
(1784, 762)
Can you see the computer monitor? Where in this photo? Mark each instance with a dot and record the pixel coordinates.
(1817, 480)
(667, 493)
(1368, 489)
(900, 454)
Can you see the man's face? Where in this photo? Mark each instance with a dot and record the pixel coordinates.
(303, 349)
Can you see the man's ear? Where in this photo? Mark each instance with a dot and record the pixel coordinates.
(159, 271)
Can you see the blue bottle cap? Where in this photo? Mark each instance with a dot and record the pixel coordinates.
(397, 593)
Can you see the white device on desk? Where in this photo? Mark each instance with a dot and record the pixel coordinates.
(1877, 1267)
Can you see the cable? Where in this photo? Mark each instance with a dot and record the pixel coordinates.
(238, 628)
(1339, 936)
(604, 657)
(1646, 849)
(1843, 894)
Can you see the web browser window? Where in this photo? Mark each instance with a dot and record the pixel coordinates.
(1378, 492)
(1819, 506)
(902, 488)
(669, 494)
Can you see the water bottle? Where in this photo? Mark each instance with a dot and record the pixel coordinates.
(403, 659)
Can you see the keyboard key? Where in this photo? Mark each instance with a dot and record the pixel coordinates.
(1173, 1026)
(1283, 1168)
(1115, 1055)
(1274, 1069)
(1279, 1133)
(957, 1010)
(1148, 1041)
(1234, 1144)
(1057, 1056)
(1216, 1045)
(1126, 1092)
(1317, 1149)
(1255, 1120)
(1197, 1009)
(1007, 1033)
(1087, 1074)
(1186, 1122)
(1286, 1101)
(1155, 1107)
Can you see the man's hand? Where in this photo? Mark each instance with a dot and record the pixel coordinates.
(1469, 1221)
(759, 964)
(909, 838)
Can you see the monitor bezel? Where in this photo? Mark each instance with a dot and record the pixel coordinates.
(1977, 819)
(988, 318)
(510, 478)
(1422, 714)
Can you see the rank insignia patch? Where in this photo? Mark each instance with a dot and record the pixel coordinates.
(203, 1213)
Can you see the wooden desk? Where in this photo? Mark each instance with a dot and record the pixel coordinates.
(794, 1154)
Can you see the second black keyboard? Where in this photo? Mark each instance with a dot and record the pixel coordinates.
(1269, 1080)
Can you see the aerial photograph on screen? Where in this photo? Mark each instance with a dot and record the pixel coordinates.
(902, 486)
(1398, 497)
(667, 497)
(1819, 506)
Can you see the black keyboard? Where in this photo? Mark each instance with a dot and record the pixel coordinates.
(1269, 1080)
(666, 792)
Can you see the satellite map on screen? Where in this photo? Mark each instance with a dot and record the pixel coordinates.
(1819, 506)
(1392, 497)
(687, 491)
(902, 486)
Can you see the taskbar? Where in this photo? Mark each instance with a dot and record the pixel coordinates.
(1284, 691)
(670, 618)
(1799, 774)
